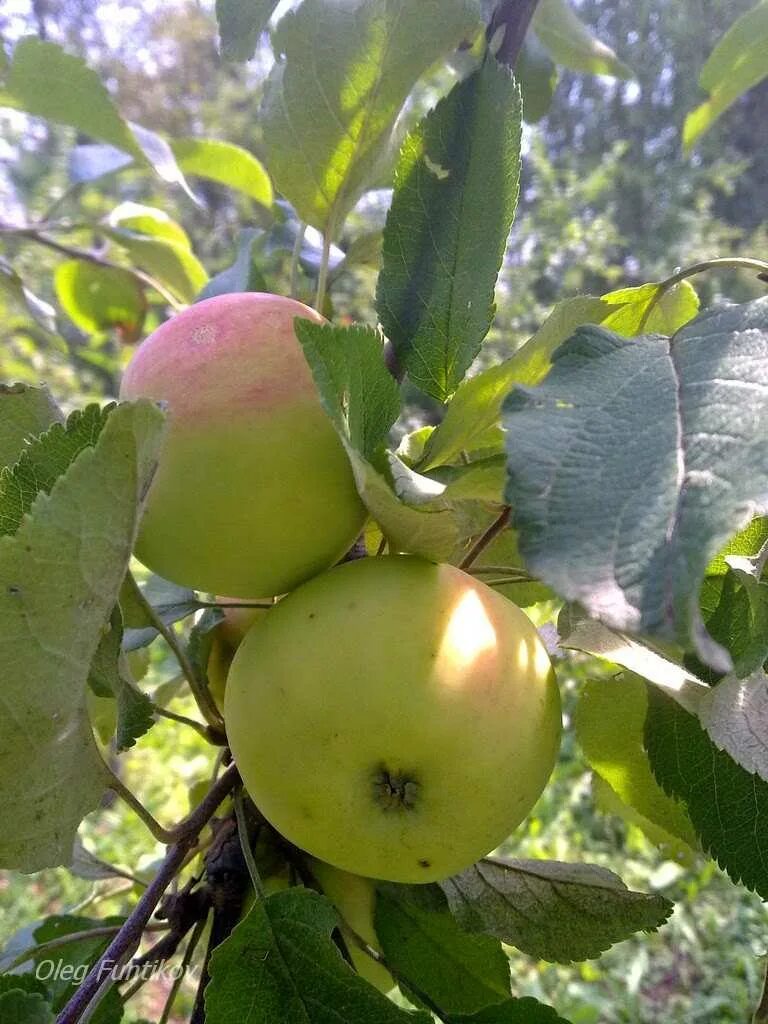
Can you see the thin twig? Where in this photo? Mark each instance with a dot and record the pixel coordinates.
(502, 570)
(295, 256)
(64, 940)
(163, 835)
(485, 539)
(198, 686)
(322, 275)
(74, 252)
(245, 846)
(129, 935)
(188, 954)
(199, 727)
(733, 262)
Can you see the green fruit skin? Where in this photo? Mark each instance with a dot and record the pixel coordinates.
(254, 492)
(355, 899)
(227, 636)
(394, 668)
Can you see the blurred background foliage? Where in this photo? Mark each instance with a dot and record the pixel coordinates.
(608, 200)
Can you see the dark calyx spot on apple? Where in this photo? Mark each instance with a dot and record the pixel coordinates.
(395, 791)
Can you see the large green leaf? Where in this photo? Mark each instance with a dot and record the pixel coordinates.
(280, 963)
(476, 406)
(25, 413)
(60, 575)
(343, 73)
(46, 81)
(635, 461)
(736, 64)
(727, 804)
(513, 1011)
(225, 163)
(552, 911)
(571, 43)
(241, 22)
(456, 188)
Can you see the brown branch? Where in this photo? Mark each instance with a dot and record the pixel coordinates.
(127, 939)
(507, 29)
(74, 252)
(483, 541)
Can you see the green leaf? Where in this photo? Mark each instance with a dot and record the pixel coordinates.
(745, 544)
(551, 911)
(607, 801)
(579, 633)
(513, 1011)
(281, 959)
(339, 82)
(148, 220)
(735, 65)
(47, 82)
(111, 676)
(25, 413)
(225, 163)
(60, 575)
(17, 1007)
(74, 959)
(25, 300)
(99, 298)
(172, 264)
(241, 22)
(43, 461)
(537, 76)
(362, 400)
(572, 44)
(727, 805)
(672, 311)
(356, 389)
(476, 406)
(456, 188)
(22, 982)
(609, 722)
(735, 612)
(170, 601)
(423, 944)
(243, 275)
(735, 714)
(621, 508)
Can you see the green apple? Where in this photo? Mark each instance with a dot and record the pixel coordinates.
(355, 899)
(254, 492)
(227, 636)
(395, 718)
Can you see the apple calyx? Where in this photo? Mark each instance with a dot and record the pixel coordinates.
(395, 790)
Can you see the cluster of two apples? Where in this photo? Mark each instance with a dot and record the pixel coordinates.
(392, 717)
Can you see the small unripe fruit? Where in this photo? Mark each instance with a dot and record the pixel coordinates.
(254, 492)
(395, 718)
(355, 899)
